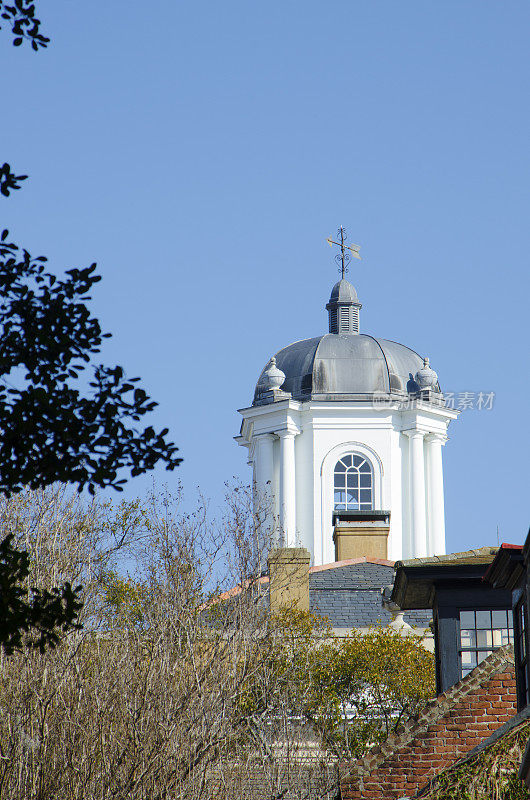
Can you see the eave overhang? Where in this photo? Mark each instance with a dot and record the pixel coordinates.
(507, 568)
(416, 580)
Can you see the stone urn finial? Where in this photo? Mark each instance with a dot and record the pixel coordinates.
(272, 377)
(426, 378)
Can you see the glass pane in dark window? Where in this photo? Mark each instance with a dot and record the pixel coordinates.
(340, 497)
(467, 619)
(353, 480)
(366, 495)
(482, 654)
(468, 638)
(469, 660)
(483, 619)
(340, 468)
(499, 619)
(340, 481)
(366, 480)
(498, 636)
(357, 461)
(347, 460)
(365, 467)
(484, 638)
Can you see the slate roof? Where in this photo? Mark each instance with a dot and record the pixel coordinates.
(348, 593)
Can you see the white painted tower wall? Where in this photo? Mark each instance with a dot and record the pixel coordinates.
(294, 446)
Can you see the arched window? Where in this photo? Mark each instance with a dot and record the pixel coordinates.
(353, 484)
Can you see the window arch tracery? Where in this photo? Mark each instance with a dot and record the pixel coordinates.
(353, 484)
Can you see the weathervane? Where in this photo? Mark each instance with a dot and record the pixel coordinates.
(343, 258)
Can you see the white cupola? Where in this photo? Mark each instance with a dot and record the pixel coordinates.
(347, 427)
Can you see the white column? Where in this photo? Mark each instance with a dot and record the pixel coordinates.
(263, 489)
(436, 494)
(417, 494)
(287, 488)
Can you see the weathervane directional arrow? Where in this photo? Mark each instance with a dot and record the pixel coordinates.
(343, 258)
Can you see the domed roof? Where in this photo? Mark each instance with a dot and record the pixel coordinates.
(343, 292)
(345, 366)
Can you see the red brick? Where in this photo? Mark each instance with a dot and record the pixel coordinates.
(440, 739)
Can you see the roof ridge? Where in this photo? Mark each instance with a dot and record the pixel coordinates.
(235, 590)
(385, 360)
(348, 562)
(476, 552)
(436, 708)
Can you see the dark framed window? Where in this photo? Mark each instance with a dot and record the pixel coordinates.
(353, 484)
(481, 632)
(521, 652)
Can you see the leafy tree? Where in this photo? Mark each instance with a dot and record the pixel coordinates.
(53, 534)
(24, 23)
(150, 705)
(31, 618)
(8, 180)
(50, 429)
(124, 600)
(353, 691)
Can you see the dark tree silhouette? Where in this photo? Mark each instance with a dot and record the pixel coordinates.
(51, 429)
(9, 181)
(33, 618)
(24, 24)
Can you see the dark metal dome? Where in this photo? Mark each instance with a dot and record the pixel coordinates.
(342, 366)
(343, 292)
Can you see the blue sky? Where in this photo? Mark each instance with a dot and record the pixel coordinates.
(202, 152)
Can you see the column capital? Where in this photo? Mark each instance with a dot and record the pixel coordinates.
(286, 433)
(436, 437)
(414, 433)
(264, 437)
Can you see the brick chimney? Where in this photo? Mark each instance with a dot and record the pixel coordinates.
(359, 534)
(289, 578)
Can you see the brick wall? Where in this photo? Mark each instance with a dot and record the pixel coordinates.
(447, 729)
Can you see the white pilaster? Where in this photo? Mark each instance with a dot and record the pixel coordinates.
(263, 488)
(417, 494)
(436, 494)
(287, 488)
